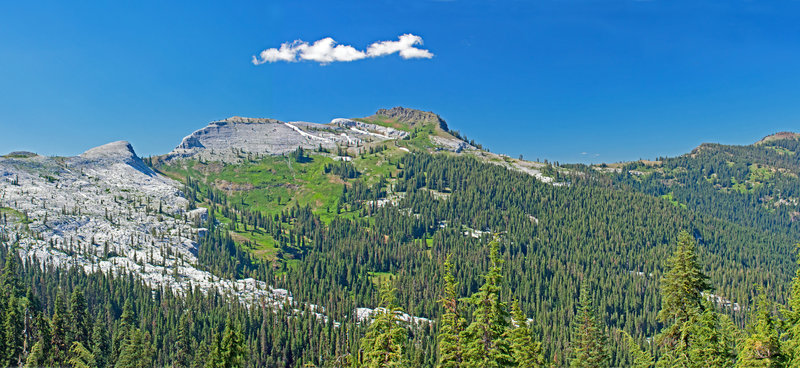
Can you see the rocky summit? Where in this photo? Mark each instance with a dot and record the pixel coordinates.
(227, 139)
(412, 117)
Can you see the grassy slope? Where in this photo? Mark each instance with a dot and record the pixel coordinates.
(275, 183)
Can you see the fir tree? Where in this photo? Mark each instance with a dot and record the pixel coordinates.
(708, 345)
(791, 336)
(40, 352)
(762, 346)
(136, 351)
(9, 280)
(681, 302)
(215, 357)
(638, 357)
(183, 342)
(79, 321)
(100, 343)
(59, 331)
(451, 323)
(526, 351)
(80, 357)
(233, 350)
(13, 333)
(589, 348)
(37, 357)
(383, 344)
(127, 321)
(485, 343)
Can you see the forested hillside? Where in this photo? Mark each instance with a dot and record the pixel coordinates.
(622, 265)
(755, 185)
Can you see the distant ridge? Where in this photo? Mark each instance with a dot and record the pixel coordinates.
(778, 137)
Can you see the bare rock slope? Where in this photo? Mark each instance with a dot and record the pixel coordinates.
(224, 139)
(106, 210)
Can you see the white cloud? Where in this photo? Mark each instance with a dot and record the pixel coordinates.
(326, 51)
(287, 52)
(405, 46)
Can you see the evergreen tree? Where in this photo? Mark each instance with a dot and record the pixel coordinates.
(383, 343)
(80, 357)
(233, 350)
(136, 351)
(451, 322)
(127, 322)
(589, 348)
(9, 280)
(40, 352)
(791, 336)
(100, 343)
(59, 330)
(13, 333)
(79, 320)
(183, 342)
(762, 346)
(681, 302)
(708, 344)
(638, 357)
(526, 351)
(37, 357)
(215, 357)
(485, 343)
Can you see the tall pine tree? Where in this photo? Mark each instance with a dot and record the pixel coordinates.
(791, 336)
(383, 345)
(484, 339)
(451, 323)
(589, 348)
(681, 302)
(762, 346)
(638, 358)
(59, 333)
(526, 351)
(79, 320)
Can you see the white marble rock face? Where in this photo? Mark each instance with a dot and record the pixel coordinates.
(222, 140)
(100, 211)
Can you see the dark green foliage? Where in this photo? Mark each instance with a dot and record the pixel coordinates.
(101, 344)
(451, 348)
(695, 335)
(184, 342)
(12, 332)
(79, 321)
(638, 358)
(681, 293)
(749, 185)
(383, 344)
(233, 348)
(525, 349)
(59, 330)
(299, 155)
(552, 235)
(80, 357)
(762, 346)
(485, 343)
(136, 351)
(589, 349)
(342, 169)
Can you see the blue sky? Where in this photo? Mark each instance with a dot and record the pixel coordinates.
(569, 81)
